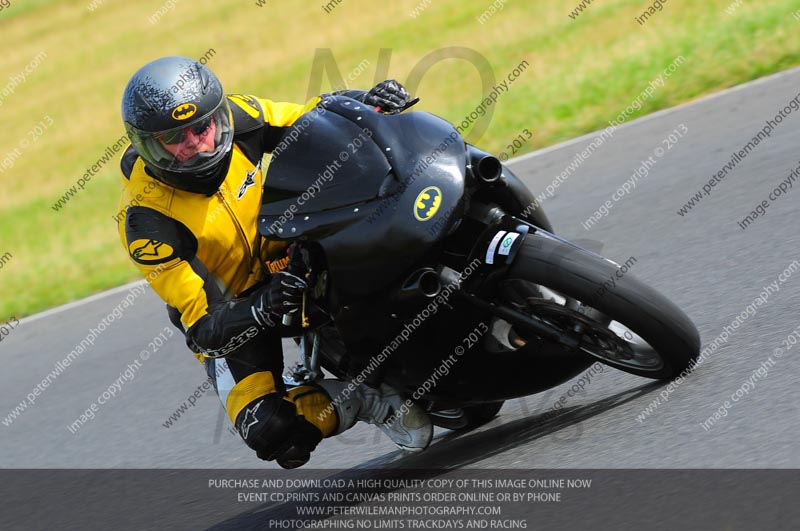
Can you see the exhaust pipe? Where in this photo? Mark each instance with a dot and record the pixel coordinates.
(483, 166)
(423, 282)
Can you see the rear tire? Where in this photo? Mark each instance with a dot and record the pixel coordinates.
(467, 417)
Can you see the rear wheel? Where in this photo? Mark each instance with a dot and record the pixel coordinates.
(466, 418)
(624, 323)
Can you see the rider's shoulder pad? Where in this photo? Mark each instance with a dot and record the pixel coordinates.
(155, 238)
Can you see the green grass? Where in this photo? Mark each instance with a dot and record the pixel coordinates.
(582, 73)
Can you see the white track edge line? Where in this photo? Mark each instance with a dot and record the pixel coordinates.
(80, 302)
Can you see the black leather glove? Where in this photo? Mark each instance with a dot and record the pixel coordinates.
(389, 95)
(283, 295)
(227, 327)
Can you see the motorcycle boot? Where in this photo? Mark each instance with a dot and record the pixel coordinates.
(404, 422)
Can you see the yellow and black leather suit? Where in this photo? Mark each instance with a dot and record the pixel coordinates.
(203, 255)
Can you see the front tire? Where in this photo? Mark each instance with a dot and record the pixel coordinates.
(667, 335)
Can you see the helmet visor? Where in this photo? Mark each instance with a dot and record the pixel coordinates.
(193, 147)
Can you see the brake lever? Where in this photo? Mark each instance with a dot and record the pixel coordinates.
(408, 105)
(295, 267)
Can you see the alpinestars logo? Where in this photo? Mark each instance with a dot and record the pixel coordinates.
(233, 344)
(261, 315)
(148, 249)
(249, 180)
(249, 420)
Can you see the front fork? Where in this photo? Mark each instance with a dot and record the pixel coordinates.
(496, 248)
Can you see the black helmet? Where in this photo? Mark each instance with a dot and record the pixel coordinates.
(179, 121)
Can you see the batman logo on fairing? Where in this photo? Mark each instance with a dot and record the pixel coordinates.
(427, 203)
(184, 111)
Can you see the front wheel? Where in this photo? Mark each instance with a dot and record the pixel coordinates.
(610, 314)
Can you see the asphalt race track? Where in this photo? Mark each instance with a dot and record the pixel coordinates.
(704, 261)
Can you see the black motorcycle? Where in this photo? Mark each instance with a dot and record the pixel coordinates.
(432, 268)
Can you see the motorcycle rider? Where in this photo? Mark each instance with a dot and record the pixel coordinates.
(192, 190)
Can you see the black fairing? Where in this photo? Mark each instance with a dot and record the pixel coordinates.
(363, 216)
(520, 201)
(363, 213)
